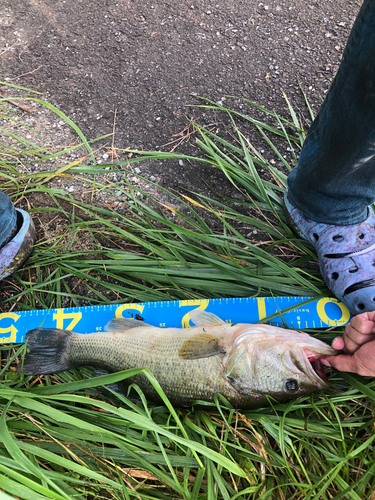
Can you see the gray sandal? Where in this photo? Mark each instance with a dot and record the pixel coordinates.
(18, 249)
(346, 256)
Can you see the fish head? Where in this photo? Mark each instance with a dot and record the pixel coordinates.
(280, 363)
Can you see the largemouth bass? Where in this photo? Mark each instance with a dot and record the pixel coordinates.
(243, 362)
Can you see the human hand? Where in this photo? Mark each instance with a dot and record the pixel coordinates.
(358, 345)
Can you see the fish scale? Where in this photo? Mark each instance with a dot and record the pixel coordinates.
(245, 363)
(192, 379)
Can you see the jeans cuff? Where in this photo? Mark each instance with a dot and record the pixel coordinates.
(346, 217)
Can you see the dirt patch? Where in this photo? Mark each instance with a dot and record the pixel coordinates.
(143, 60)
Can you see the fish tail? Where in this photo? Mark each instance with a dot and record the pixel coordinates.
(47, 351)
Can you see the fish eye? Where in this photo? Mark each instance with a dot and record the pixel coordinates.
(291, 385)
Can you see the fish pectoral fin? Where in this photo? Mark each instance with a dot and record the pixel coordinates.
(202, 345)
(203, 318)
(122, 324)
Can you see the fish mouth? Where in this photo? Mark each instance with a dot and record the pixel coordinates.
(315, 370)
(308, 363)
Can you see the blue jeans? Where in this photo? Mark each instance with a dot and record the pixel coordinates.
(334, 181)
(8, 218)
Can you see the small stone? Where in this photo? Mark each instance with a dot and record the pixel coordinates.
(181, 163)
(137, 170)
(70, 189)
(152, 178)
(105, 156)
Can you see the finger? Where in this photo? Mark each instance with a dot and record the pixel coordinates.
(354, 339)
(342, 362)
(348, 363)
(364, 323)
(338, 343)
(350, 346)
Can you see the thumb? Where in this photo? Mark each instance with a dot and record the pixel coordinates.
(338, 343)
(342, 362)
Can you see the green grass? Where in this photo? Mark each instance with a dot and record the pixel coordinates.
(61, 438)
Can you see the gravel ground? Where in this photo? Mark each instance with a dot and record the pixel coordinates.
(133, 66)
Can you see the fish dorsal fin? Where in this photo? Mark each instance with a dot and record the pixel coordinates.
(203, 318)
(202, 345)
(122, 324)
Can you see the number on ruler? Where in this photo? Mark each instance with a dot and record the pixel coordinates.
(10, 329)
(60, 315)
(202, 303)
(119, 311)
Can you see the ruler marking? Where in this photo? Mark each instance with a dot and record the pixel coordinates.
(95, 316)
